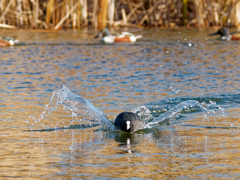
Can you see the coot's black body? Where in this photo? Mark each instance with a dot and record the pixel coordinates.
(128, 121)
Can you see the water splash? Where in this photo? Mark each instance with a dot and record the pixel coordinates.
(82, 111)
(175, 112)
(143, 112)
(80, 106)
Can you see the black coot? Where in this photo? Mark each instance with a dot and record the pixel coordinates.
(128, 121)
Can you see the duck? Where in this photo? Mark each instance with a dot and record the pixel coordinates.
(7, 41)
(129, 122)
(225, 34)
(123, 37)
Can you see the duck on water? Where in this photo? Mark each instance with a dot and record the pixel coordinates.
(225, 35)
(7, 41)
(122, 37)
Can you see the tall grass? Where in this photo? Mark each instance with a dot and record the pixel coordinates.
(58, 14)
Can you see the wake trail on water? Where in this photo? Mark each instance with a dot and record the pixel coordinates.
(83, 111)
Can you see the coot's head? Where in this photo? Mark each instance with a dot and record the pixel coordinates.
(222, 32)
(128, 121)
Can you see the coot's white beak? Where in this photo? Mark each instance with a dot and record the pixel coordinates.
(128, 124)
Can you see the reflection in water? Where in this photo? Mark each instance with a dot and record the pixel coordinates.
(149, 77)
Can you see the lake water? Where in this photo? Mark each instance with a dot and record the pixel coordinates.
(163, 69)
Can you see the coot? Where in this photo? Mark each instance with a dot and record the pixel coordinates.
(128, 121)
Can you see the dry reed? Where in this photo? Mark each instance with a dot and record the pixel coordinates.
(57, 14)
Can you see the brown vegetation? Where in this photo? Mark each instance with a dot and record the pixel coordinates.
(58, 14)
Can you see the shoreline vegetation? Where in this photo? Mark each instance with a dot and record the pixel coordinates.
(98, 14)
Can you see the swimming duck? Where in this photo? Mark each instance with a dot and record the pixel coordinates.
(7, 41)
(123, 37)
(128, 122)
(226, 36)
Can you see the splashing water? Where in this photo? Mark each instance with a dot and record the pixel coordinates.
(79, 106)
(83, 111)
(80, 109)
(143, 112)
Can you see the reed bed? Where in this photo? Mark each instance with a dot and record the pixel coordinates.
(59, 14)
